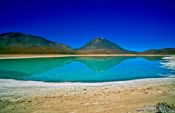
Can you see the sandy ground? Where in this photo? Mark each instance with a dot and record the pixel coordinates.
(135, 96)
(15, 56)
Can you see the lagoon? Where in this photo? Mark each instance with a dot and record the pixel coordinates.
(86, 69)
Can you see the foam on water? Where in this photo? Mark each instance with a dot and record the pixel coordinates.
(169, 63)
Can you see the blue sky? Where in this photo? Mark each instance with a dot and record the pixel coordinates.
(133, 24)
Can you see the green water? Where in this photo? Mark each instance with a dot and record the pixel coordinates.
(84, 69)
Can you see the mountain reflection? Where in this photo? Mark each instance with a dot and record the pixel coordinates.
(153, 58)
(12, 68)
(21, 68)
(101, 64)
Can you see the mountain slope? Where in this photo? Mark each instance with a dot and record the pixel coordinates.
(160, 51)
(15, 43)
(102, 46)
(20, 43)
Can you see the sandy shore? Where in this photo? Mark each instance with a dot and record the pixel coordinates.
(15, 56)
(133, 96)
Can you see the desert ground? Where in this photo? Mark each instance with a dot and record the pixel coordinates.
(135, 96)
(16, 56)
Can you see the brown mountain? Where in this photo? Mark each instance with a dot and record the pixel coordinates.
(20, 43)
(102, 46)
(163, 51)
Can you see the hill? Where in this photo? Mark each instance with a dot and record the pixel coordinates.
(20, 43)
(102, 46)
(163, 51)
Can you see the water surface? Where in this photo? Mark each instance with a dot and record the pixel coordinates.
(84, 69)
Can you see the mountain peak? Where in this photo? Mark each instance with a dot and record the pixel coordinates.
(14, 34)
(99, 38)
(100, 43)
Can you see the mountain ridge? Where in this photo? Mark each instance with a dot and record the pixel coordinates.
(159, 51)
(14, 42)
(20, 43)
(102, 45)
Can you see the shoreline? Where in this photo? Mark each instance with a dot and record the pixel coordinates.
(18, 56)
(124, 96)
(88, 84)
(13, 86)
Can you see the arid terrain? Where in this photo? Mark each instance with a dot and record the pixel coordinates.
(15, 56)
(115, 97)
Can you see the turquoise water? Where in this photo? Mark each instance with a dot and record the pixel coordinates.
(84, 69)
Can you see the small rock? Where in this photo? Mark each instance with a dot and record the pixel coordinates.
(29, 101)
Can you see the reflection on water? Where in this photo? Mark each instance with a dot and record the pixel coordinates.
(33, 65)
(152, 58)
(12, 74)
(101, 64)
(83, 69)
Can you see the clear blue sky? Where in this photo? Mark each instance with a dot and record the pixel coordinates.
(133, 24)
